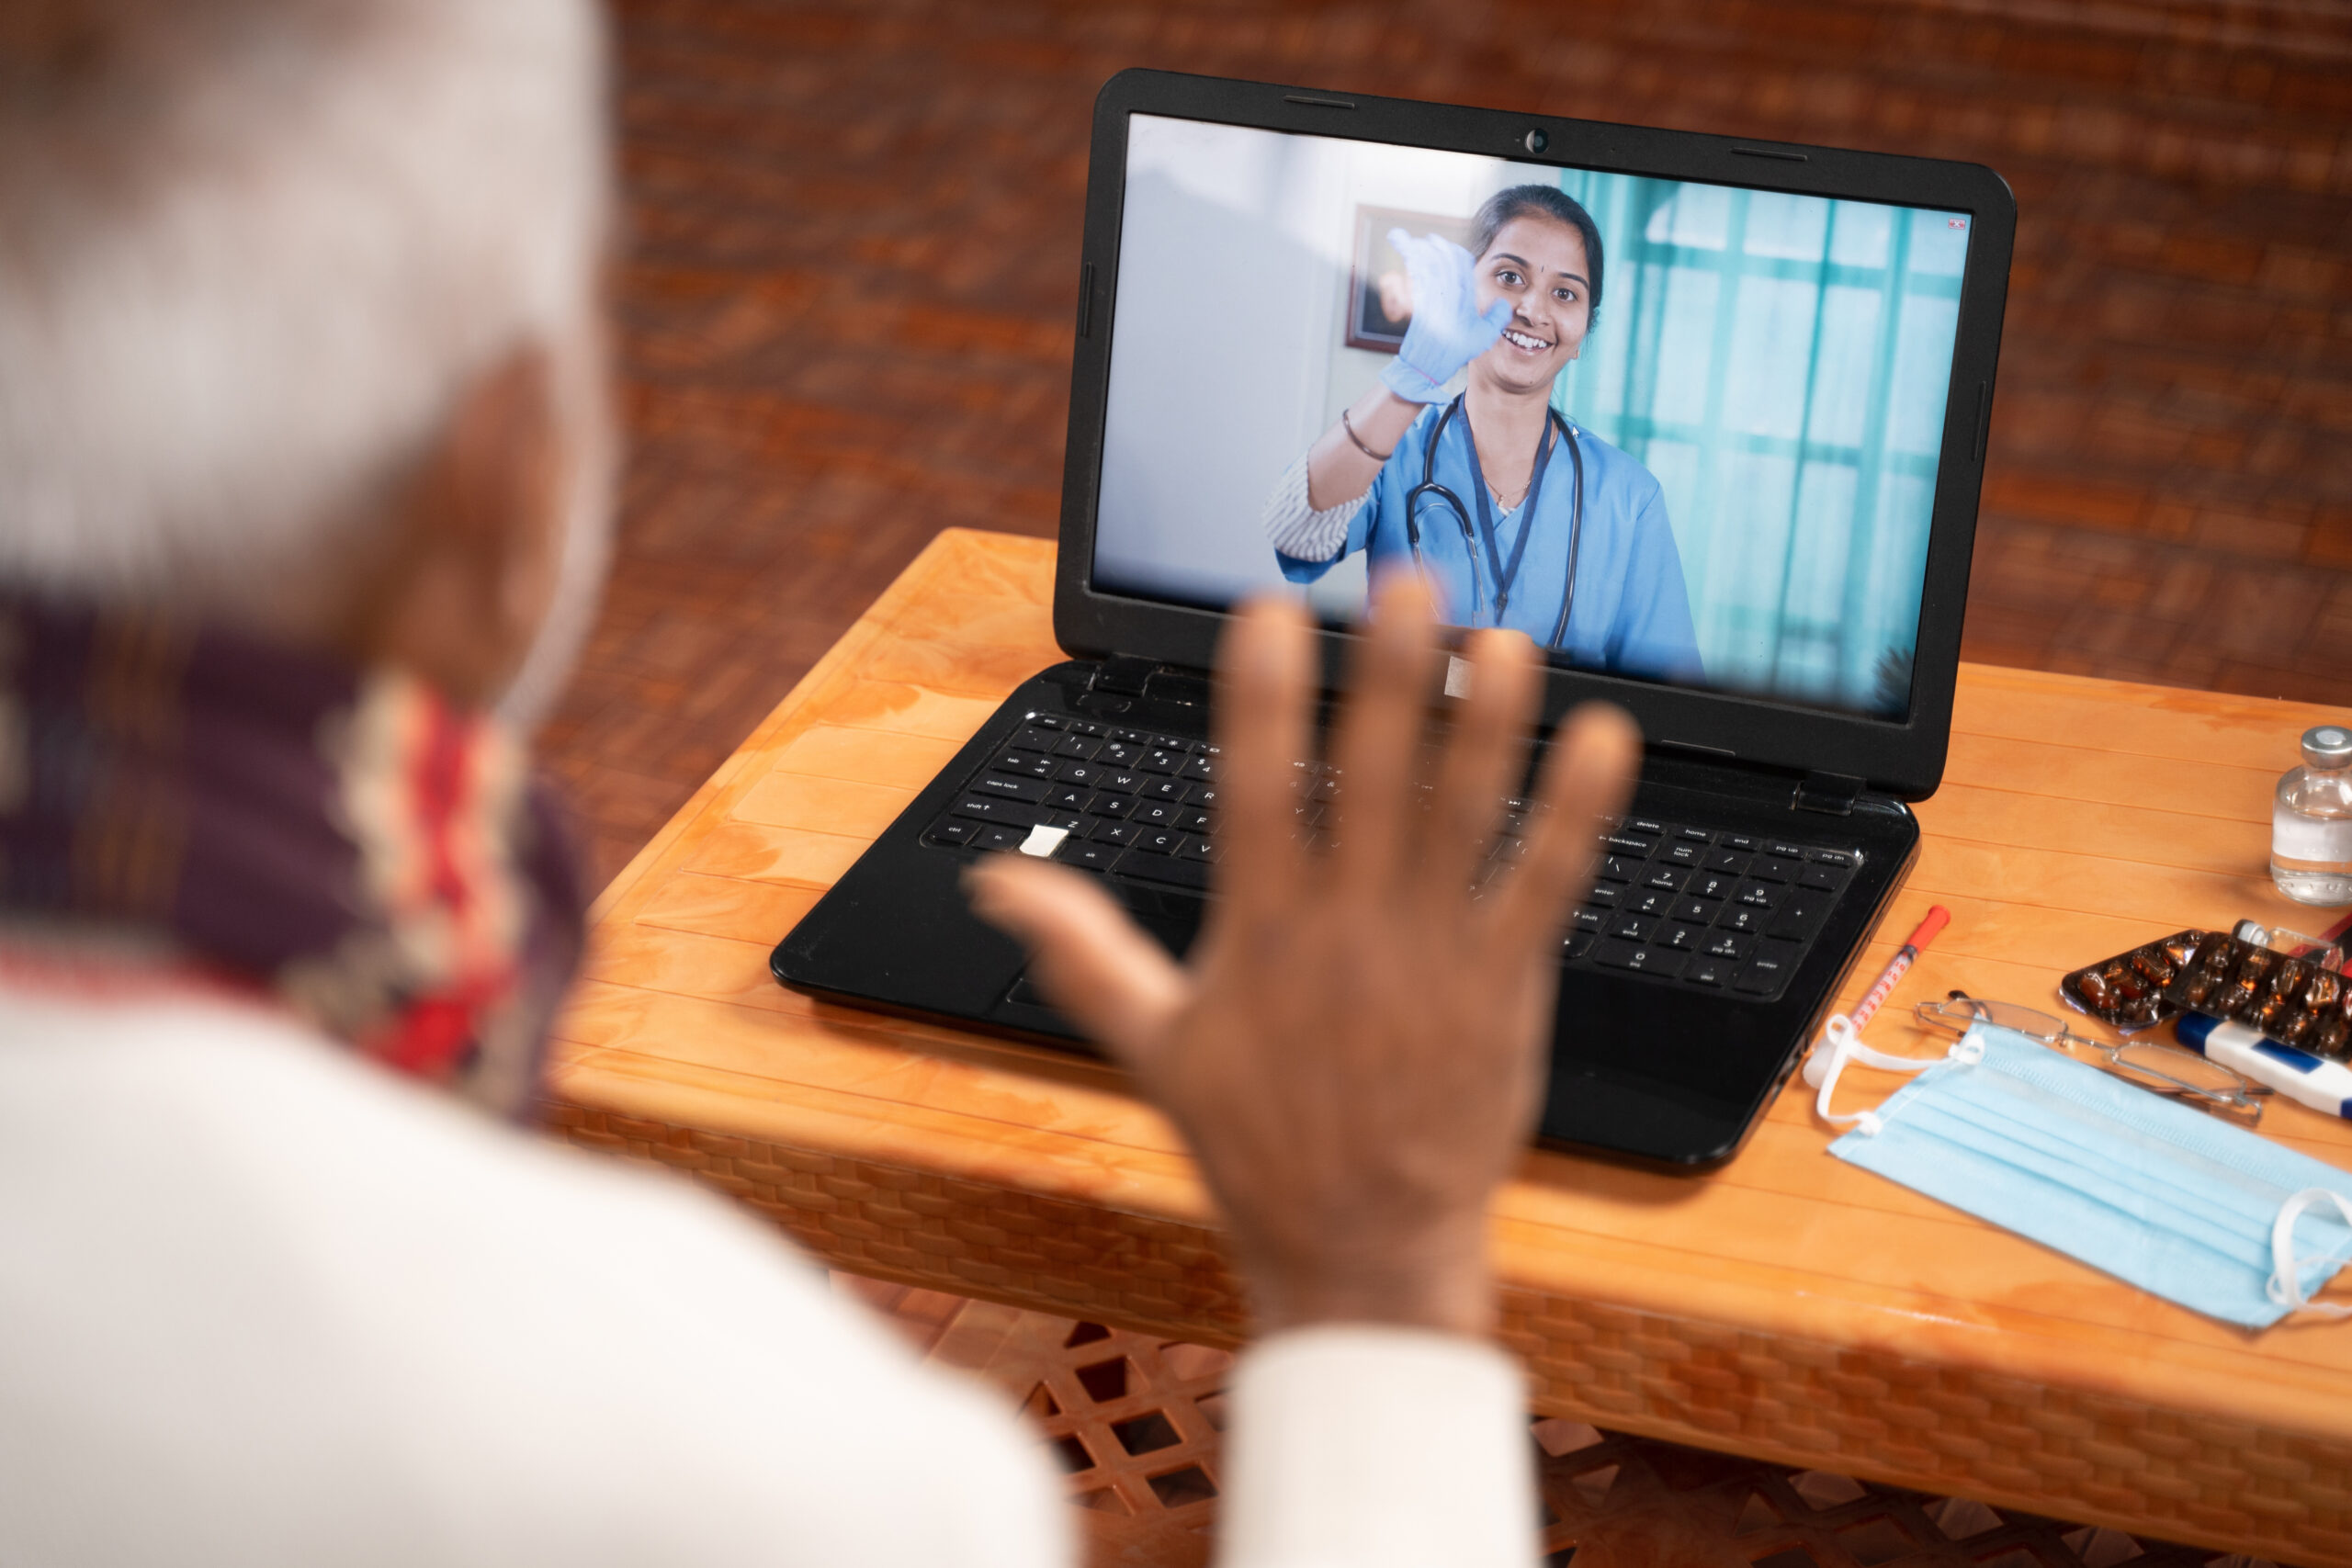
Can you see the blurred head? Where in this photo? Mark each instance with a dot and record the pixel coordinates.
(1538, 248)
(299, 325)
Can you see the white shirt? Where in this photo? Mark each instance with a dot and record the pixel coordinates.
(262, 1304)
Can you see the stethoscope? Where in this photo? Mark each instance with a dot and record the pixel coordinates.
(1503, 577)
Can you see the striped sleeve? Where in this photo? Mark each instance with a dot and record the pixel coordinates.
(1296, 528)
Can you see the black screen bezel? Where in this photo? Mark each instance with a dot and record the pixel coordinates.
(1903, 758)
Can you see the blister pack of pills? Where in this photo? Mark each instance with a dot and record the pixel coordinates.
(2297, 999)
(2127, 991)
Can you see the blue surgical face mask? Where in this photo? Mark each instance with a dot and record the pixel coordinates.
(2199, 1213)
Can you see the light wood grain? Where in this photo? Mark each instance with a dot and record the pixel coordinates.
(2080, 816)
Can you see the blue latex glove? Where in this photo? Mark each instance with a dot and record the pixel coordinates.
(1447, 330)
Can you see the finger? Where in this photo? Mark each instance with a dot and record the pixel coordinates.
(1482, 760)
(1414, 252)
(1595, 758)
(1091, 960)
(1379, 733)
(1497, 316)
(1265, 687)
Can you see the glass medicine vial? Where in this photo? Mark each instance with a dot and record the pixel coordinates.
(2311, 821)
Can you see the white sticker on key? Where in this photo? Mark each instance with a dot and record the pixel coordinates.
(1043, 840)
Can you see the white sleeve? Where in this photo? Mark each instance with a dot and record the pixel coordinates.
(1296, 528)
(1364, 1447)
(266, 1305)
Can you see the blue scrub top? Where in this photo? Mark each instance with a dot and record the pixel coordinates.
(1632, 614)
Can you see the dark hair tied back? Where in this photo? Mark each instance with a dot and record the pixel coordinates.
(1541, 201)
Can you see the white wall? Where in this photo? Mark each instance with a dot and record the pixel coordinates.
(1214, 366)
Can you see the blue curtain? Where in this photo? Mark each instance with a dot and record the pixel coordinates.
(1780, 363)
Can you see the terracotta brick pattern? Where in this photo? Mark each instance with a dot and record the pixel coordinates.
(1809, 1405)
(846, 309)
(1137, 1422)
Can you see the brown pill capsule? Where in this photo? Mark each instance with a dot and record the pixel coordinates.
(2095, 989)
(2197, 987)
(2258, 962)
(2290, 978)
(2150, 965)
(2329, 1038)
(2214, 955)
(2290, 1025)
(2322, 990)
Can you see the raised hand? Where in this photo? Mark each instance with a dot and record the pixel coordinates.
(1356, 1050)
(1448, 331)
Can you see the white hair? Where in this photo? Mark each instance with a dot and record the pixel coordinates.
(252, 251)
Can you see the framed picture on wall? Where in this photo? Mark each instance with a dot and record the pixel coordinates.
(1380, 302)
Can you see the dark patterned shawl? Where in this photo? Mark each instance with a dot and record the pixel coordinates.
(343, 841)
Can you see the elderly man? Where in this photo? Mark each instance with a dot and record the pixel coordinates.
(303, 478)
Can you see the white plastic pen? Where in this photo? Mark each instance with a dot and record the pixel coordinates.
(2307, 1079)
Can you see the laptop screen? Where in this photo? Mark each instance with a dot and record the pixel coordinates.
(1703, 450)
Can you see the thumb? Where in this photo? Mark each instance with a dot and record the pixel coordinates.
(1497, 315)
(1093, 962)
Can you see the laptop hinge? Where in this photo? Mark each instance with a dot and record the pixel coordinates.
(1130, 676)
(1185, 688)
(1833, 795)
(1123, 674)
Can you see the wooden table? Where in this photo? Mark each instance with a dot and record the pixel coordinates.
(1789, 1306)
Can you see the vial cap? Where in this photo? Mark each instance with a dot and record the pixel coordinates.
(2328, 746)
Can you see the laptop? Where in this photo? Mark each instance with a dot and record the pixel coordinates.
(1774, 426)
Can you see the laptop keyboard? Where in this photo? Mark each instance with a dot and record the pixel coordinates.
(1682, 902)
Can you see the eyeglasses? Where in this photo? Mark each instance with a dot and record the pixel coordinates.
(2160, 1070)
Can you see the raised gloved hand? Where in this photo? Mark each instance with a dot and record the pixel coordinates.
(1448, 331)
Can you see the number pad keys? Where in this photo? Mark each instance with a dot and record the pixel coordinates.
(1711, 885)
(1743, 921)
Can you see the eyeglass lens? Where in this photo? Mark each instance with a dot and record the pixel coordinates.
(2170, 1065)
(1960, 1012)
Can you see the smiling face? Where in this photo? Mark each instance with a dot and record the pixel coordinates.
(1539, 265)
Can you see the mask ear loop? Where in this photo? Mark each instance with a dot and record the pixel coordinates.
(1845, 1042)
(2285, 1285)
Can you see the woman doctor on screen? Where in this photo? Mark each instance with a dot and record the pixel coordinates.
(1518, 517)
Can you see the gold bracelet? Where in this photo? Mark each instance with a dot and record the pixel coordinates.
(1348, 425)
